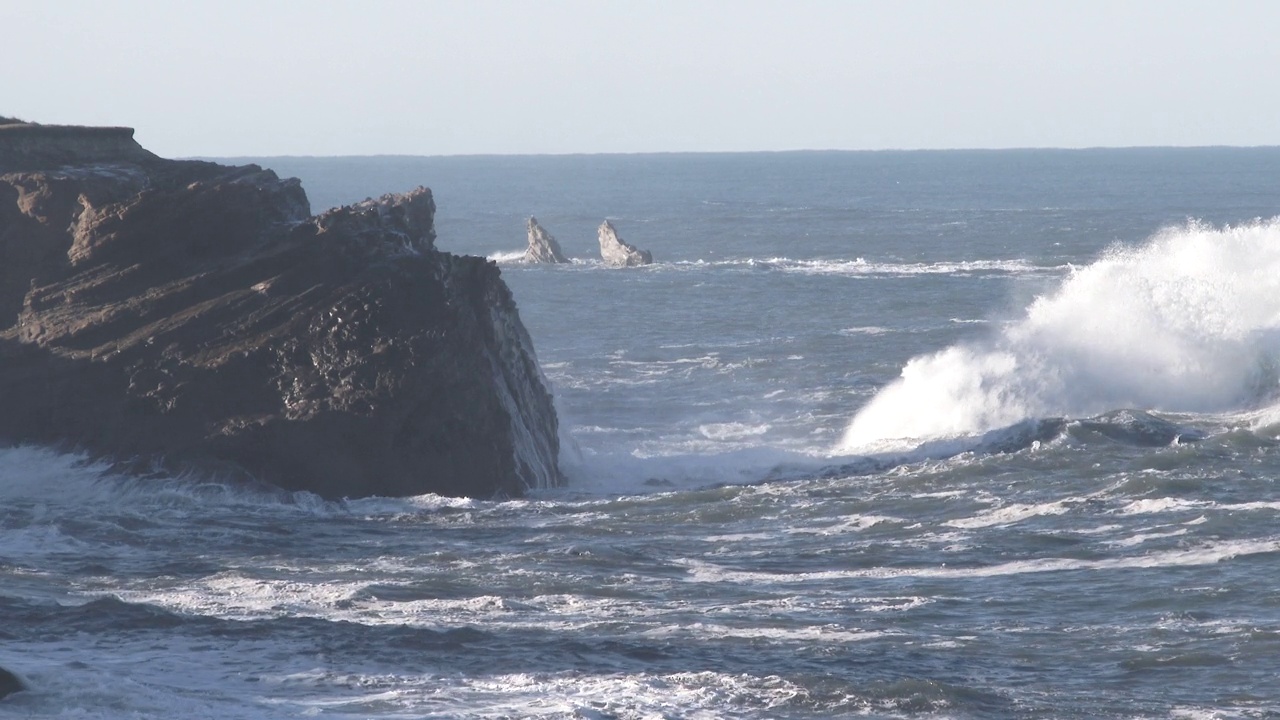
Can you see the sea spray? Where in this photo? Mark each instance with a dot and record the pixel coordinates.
(1188, 322)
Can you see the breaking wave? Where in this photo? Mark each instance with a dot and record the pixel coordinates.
(1187, 323)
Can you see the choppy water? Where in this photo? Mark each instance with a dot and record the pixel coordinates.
(988, 434)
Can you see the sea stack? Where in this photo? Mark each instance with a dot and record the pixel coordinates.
(196, 317)
(616, 253)
(543, 248)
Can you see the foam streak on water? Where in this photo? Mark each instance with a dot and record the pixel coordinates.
(877, 595)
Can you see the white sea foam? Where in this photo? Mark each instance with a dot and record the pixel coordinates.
(732, 430)
(1140, 538)
(853, 268)
(1162, 505)
(1189, 322)
(1014, 513)
(808, 634)
(1204, 554)
(862, 267)
(847, 524)
(866, 330)
(38, 473)
(1264, 420)
(694, 695)
(504, 257)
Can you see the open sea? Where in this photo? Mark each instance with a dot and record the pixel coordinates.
(943, 434)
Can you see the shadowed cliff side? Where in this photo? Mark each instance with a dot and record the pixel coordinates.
(195, 315)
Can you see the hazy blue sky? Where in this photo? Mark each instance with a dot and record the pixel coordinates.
(499, 76)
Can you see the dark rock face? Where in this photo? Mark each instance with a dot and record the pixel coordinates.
(30, 146)
(195, 315)
(543, 248)
(9, 684)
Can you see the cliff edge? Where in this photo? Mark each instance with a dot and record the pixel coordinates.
(30, 146)
(197, 316)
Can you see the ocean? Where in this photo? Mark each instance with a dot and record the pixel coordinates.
(938, 434)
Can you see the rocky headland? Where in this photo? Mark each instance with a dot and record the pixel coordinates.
(543, 247)
(617, 253)
(196, 317)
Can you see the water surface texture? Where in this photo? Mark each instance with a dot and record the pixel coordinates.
(918, 434)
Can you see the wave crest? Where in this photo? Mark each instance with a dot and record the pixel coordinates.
(1188, 322)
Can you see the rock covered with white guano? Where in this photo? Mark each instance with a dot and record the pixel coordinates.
(543, 247)
(617, 253)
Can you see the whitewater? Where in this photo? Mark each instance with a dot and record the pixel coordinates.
(1188, 322)
(892, 435)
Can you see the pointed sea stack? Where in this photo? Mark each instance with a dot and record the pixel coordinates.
(196, 316)
(543, 248)
(616, 253)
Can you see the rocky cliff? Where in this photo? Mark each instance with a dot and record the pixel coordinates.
(196, 316)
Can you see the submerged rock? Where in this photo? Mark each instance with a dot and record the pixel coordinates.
(616, 253)
(9, 684)
(543, 248)
(195, 315)
(1140, 429)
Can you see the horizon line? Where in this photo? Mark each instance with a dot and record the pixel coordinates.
(1028, 148)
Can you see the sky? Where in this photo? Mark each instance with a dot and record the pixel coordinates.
(447, 77)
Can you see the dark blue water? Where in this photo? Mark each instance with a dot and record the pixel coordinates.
(918, 434)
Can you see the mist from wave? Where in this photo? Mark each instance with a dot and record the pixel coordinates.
(1188, 322)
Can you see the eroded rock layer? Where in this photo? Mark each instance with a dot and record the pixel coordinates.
(196, 315)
